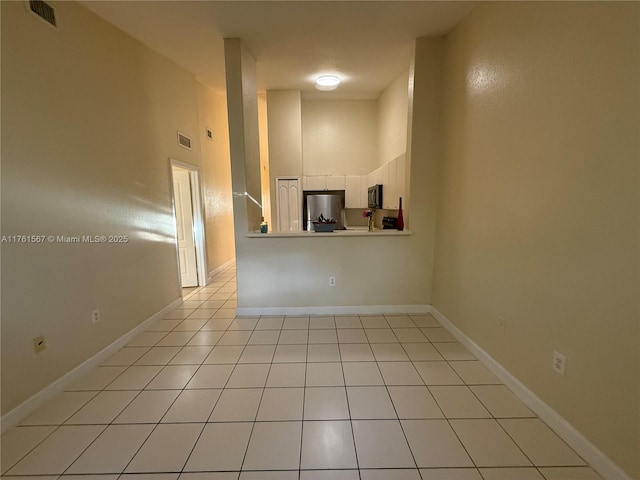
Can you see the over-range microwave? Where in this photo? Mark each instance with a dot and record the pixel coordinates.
(375, 197)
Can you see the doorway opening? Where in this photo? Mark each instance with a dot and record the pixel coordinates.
(188, 215)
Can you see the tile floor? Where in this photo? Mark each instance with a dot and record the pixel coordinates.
(203, 394)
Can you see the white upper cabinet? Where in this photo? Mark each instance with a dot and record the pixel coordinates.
(335, 182)
(354, 196)
(323, 182)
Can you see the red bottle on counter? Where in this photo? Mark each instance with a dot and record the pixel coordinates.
(400, 222)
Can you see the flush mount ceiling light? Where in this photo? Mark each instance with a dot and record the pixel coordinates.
(327, 82)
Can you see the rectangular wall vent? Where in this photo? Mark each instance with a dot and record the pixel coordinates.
(184, 141)
(43, 10)
(209, 133)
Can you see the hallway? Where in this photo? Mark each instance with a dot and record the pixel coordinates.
(204, 394)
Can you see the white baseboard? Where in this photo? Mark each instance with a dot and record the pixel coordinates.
(30, 405)
(335, 310)
(587, 450)
(220, 269)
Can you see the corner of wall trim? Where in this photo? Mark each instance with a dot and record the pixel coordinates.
(333, 310)
(30, 405)
(587, 450)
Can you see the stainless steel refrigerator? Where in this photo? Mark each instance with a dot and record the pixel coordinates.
(330, 205)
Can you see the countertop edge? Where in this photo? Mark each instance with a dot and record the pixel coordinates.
(336, 234)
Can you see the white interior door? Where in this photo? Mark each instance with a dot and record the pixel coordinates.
(184, 226)
(289, 215)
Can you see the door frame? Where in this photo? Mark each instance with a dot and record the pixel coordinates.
(198, 220)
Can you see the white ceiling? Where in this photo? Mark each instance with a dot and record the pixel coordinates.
(367, 43)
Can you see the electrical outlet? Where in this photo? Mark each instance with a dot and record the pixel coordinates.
(559, 363)
(95, 316)
(332, 281)
(39, 344)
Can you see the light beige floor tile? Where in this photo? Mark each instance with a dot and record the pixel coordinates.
(274, 446)
(329, 475)
(135, 377)
(164, 325)
(290, 353)
(148, 407)
(112, 450)
(205, 338)
(458, 401)
(146, 339)
(208, 476)
(270, 475)
(438, 334)
(77, 477)
(192, 406)
(211, 376)
(270, 323)
(410, 335)
(237, 405)
(213, 304)
(569, 473)
(175, 339)
(222, 354)
(103, 408)
(399, 373)
(424, 321)
(191, 355)
(519, 473)
(374, 321)
(414, 402)
(474, 373)
(257, 354)
(201, 313)
(296, 323)
(264, 337)
(501, 402)
(454, 351)
(125, 356)
(399, 321)
(293, 337)
(249, 375)
(158, 356)
(380, 335)
(450, 474)
(327, 445)
(57, 410)
(324, 375)
(325, 403)
(323, 336)
(381, 444)
(323, 353)
(217, 324)
(352, 335)
(420, 352)
(286, 375)
(19, 441)
(350, 352)
(389, 352)
(192, 324)
(280, 404)
(96, 379)
(434, 444)
(370, 403)
(173, 377)
(193, 304)
(437, 373)
(243, 324)
(57, 451)
(223, 312)
(179, 313)
(235, 337)
(488, 444)
(540, 443)
(322, 323)
(348, 321)
(362, 373)
(385, 474)
(166, 449)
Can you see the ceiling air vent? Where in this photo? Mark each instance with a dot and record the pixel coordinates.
(184, 141)
(43, 10)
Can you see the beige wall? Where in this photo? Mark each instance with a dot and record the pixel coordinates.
(538, 205)
(392, 120)
(216, 178)
(89, 121)
(339, 137)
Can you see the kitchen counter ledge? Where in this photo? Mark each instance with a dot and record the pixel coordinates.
(337, 233)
